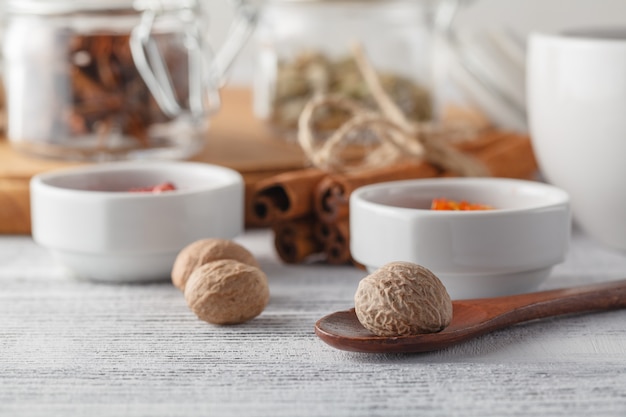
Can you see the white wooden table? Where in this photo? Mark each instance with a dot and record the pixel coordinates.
(78, 348)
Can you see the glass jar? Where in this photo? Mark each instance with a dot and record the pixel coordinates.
(111, 79)
(479, 70)
(479, 53)
(304, 48)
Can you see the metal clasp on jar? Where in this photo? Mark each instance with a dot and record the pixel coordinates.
(207, 68)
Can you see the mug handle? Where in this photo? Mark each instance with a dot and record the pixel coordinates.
(207, 70)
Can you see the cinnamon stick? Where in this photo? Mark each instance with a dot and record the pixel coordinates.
(333, 192)
(283, 197)
(336, 241)
(250, 221)
(295, 240)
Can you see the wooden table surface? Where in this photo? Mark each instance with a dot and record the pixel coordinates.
(79, 348)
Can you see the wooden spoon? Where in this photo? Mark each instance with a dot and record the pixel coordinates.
(472, 318)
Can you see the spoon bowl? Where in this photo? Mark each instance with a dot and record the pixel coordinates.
(472, 318)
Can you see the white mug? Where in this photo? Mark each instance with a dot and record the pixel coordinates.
(576, 88)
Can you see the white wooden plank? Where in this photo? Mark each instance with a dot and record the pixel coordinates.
(70, 347)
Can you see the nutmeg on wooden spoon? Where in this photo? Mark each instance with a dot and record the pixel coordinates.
(473, 318)
(402, 298)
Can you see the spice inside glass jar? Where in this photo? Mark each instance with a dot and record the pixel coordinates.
(116, 79)
(304, 49)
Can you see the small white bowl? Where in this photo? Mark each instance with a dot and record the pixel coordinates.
(91, 222)
(510, 249)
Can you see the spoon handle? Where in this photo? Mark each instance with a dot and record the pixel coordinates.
(518, 308)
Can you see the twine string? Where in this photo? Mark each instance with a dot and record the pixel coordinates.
(395, 137)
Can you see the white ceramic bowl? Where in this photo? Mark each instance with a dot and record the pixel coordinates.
(510, 249)
(97, 228)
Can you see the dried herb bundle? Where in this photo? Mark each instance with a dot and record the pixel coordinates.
(313, 73)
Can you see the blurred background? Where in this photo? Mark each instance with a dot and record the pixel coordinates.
(521, 15)
(445, 60)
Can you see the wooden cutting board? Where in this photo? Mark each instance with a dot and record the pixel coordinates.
(236, 139)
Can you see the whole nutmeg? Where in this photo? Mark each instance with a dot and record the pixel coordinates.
(402, 298)
(227, 292)
(204, 251)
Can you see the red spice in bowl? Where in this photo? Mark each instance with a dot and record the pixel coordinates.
(166, 186)
(445, 204)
